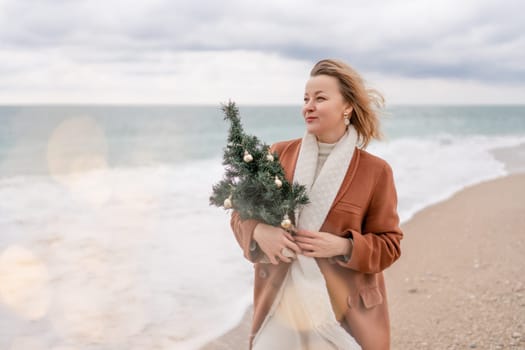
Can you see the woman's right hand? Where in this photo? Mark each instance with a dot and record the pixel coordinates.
(272, 240)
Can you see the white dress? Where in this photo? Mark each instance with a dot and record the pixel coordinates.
(288, 325)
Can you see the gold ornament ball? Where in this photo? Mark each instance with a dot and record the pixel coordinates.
(269, 157)
(286, 223)
(227, 203)
(278, 182)
(247, 157)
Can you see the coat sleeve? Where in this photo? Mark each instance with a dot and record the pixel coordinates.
(243, 231)
(379, 245)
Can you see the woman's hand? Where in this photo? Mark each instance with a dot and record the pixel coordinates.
(272, 240)
(322, 244)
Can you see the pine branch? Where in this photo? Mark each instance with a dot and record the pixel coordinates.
(254, 182)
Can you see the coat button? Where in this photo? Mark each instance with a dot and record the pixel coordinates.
(263, 274)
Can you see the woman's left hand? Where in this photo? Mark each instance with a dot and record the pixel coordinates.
(321, 244)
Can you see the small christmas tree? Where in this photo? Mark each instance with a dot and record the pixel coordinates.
(254, 183)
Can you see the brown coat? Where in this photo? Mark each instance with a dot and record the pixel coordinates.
(364, 209)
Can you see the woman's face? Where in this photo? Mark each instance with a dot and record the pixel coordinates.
(324, 107)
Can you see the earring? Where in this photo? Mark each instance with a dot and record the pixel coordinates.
(346, 119)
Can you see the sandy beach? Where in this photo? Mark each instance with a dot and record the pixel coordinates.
(459, 283)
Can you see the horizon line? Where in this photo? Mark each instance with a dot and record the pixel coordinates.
(175, 104)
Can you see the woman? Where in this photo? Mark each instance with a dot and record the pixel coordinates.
(324, 288)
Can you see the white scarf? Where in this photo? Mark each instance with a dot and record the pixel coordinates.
(305, 273)
(309, 291)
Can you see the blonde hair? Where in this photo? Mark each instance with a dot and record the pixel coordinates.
(365, 103)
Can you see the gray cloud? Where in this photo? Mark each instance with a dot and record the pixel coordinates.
(474, 40)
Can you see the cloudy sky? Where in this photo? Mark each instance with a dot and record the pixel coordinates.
(258, 52)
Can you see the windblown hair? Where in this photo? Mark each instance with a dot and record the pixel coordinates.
(365, 103)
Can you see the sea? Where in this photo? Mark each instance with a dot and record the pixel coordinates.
(107, 238)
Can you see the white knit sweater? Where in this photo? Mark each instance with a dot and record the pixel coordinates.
(324, 151)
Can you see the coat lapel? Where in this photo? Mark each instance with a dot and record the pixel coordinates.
(349, 176)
